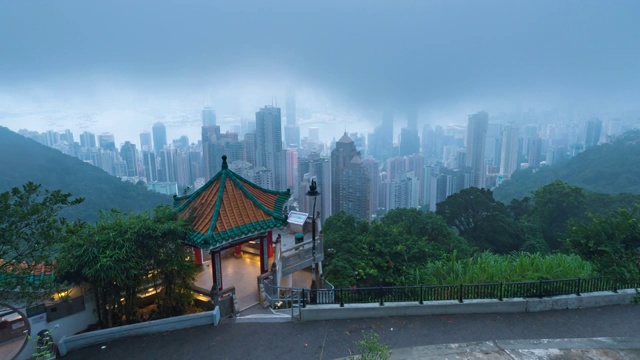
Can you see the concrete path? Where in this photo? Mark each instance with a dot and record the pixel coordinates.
(242, 273)
(336, 338)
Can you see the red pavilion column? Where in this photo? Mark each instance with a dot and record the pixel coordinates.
(216, 269)
(197, 252)
(270, 243)
(264, 255)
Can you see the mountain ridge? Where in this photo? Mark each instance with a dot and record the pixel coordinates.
(24, 160)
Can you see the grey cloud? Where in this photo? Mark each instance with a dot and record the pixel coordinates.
(379, 54)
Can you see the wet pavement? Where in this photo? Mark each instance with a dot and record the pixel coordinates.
(410, 337)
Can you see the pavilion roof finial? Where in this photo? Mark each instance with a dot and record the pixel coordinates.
(224, 162)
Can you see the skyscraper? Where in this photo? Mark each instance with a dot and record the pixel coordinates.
(269, 153)
(159, 136)
(129, 154)
(476, 139)
(409, 141)
(381, 141)
(509, 157)
(146, 143)
(208, 117)
(87, 140)
(291, 129)
(107, 141)
(594, 127)
(211, 151)
(350, 181)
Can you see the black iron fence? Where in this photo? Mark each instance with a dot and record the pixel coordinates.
(461, 292)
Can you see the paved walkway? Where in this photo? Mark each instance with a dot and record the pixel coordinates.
(336, 338)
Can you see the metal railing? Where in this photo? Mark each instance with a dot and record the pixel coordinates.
(301, 256)
(461, 292)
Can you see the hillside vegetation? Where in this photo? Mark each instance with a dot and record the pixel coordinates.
(23, 160)
(607, 168)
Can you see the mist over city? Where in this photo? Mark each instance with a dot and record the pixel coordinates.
(129, 64)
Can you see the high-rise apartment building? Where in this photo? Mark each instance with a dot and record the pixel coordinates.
(269, 153)
(350, 181)
(209, 117)
(211, 150)
(291, 129)
(129, 154)
(146, 143)
(509, 157)
(314, 167)
(159, 136)
(476, 139)
(381, 141)
(107, 141)
(87, 140)
(594, 128)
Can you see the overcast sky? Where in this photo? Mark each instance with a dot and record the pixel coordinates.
(370, 54)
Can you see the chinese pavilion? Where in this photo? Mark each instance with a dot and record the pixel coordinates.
(229, 211)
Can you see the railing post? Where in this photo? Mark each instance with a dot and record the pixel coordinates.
(460, 294)
(540, 289)
(421, 299)
(578, 287)
(500, 292)
(341, 297)
(381, 296)
(303, 299)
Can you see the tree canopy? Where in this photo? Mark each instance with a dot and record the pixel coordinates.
(124, 253)
(484, 222)
(385, 252)
(31, 232)
(611, 243)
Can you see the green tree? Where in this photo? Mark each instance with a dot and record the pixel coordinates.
(385, 252)
(611, 243)
(31, 232)
(483, 221)
(124, 253)
(554, 205)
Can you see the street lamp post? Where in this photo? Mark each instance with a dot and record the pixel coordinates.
(314, 193)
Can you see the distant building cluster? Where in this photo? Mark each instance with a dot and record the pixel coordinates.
(364, 175)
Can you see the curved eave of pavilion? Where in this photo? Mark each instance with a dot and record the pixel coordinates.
(246, 228)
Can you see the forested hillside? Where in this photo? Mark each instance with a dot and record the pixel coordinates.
(607, 168)
(23, 160)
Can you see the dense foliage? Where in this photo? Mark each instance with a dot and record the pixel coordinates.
(608, 168)
(611, 243)
(125, 253)
(484, 222)
(487, 268)
(473, 238)
(385, 252)
(30, 235)
(24, 160)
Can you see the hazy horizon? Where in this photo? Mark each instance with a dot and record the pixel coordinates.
(354, 60)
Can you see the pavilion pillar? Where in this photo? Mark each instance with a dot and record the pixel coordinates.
(264, 255)
(197, 253)
(237, 251)
(270, 243)
(216, 270)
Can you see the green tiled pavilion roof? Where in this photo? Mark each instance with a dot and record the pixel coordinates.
(229, 209)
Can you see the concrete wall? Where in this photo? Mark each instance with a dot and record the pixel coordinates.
(353, 311)
(65, 326)
(69, 343)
